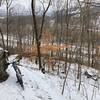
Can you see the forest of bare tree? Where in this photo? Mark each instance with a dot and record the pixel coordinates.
(54, 35)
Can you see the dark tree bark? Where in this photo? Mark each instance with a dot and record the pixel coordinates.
(43, 19)
(3, 66)
(2, 38)
(36, 32)
(3, 62)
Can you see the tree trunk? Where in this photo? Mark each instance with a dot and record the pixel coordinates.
(36, 33)
(3, 67)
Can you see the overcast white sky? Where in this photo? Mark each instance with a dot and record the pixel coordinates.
(26, 4)
(21, 4)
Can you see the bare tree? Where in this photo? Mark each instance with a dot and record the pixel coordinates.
(37, 33)
(8, 4)
(3, 62)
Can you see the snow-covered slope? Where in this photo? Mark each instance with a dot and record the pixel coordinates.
(37, 86)
(40, 86)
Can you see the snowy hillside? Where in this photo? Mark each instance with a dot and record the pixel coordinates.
(40, 86)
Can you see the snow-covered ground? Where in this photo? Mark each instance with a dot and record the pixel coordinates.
(40, 86)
